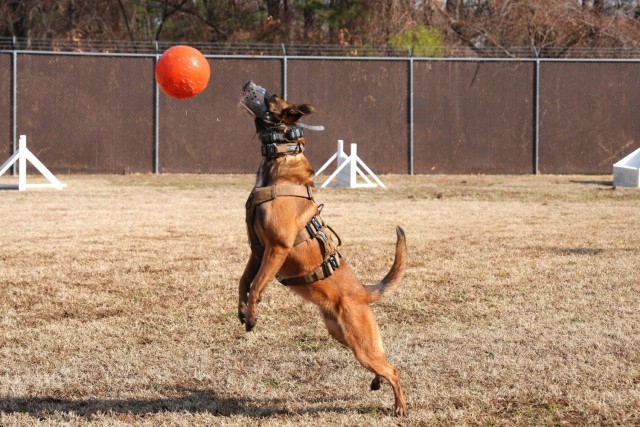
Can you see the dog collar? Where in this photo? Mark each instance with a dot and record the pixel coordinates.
(271, 151)
(274, 135)
(276, 142)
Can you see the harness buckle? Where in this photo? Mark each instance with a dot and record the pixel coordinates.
(316, 224)
(325, 269)
(330, 265)
(295, 149)
(314, 228)
(293, 134)
(269, 150)
(269, 137)
(333, 261)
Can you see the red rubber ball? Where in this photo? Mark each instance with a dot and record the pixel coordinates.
(182, 72)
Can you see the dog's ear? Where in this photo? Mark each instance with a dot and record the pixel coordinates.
(293, 113)
(275, 104)
(304, 109)
(286, 112)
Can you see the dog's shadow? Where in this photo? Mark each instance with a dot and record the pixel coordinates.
(189, 401)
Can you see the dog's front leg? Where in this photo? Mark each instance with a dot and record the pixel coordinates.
(272, 260)
(245, 283)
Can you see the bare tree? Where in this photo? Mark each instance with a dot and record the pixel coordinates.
(477, 24)
(453, 8)
(273, 7)
(17, 17)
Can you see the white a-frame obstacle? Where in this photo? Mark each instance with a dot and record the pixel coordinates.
(348, 171)
(21, 156)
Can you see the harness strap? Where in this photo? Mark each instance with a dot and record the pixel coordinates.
(325, 270)
(316, 228)
(260, 195)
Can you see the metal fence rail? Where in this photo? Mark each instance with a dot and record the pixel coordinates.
(101, 112)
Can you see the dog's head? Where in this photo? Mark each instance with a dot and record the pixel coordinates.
(271, 111)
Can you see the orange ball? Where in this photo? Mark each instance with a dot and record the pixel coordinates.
(182, 72)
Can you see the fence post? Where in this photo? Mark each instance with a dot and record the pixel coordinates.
(156, 117)
(536, 117)
(14, 102)
(284, 71)
(411, 122)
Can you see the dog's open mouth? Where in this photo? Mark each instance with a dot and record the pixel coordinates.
(253, 99)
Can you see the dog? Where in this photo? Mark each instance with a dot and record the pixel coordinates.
(290, 242)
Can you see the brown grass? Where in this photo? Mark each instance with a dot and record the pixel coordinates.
(520, 306)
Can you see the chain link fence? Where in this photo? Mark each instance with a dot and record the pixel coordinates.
(102, 112)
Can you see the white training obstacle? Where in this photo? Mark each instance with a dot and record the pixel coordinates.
(22, 155)
(349, 169)
(626, 172)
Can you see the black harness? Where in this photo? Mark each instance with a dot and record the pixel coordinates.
(276, 142)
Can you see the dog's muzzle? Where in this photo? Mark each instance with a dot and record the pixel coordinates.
(253, 99)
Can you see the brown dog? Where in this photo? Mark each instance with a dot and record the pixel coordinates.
(289, 241)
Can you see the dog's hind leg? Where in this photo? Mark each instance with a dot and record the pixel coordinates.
(363, 336)
(333, 327)
(245, 283)
(335, 330)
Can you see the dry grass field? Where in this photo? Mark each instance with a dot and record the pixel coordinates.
(521, 306)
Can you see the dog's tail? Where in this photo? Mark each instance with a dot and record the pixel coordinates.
(395, 274)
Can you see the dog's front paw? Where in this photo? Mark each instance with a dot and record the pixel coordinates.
(249, 324)
(251, 318)
(242, 312)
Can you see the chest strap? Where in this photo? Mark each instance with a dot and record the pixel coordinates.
(260, 195)
(325, 270)
(316, 228)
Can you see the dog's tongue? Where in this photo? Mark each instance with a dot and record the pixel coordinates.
(253, 98)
